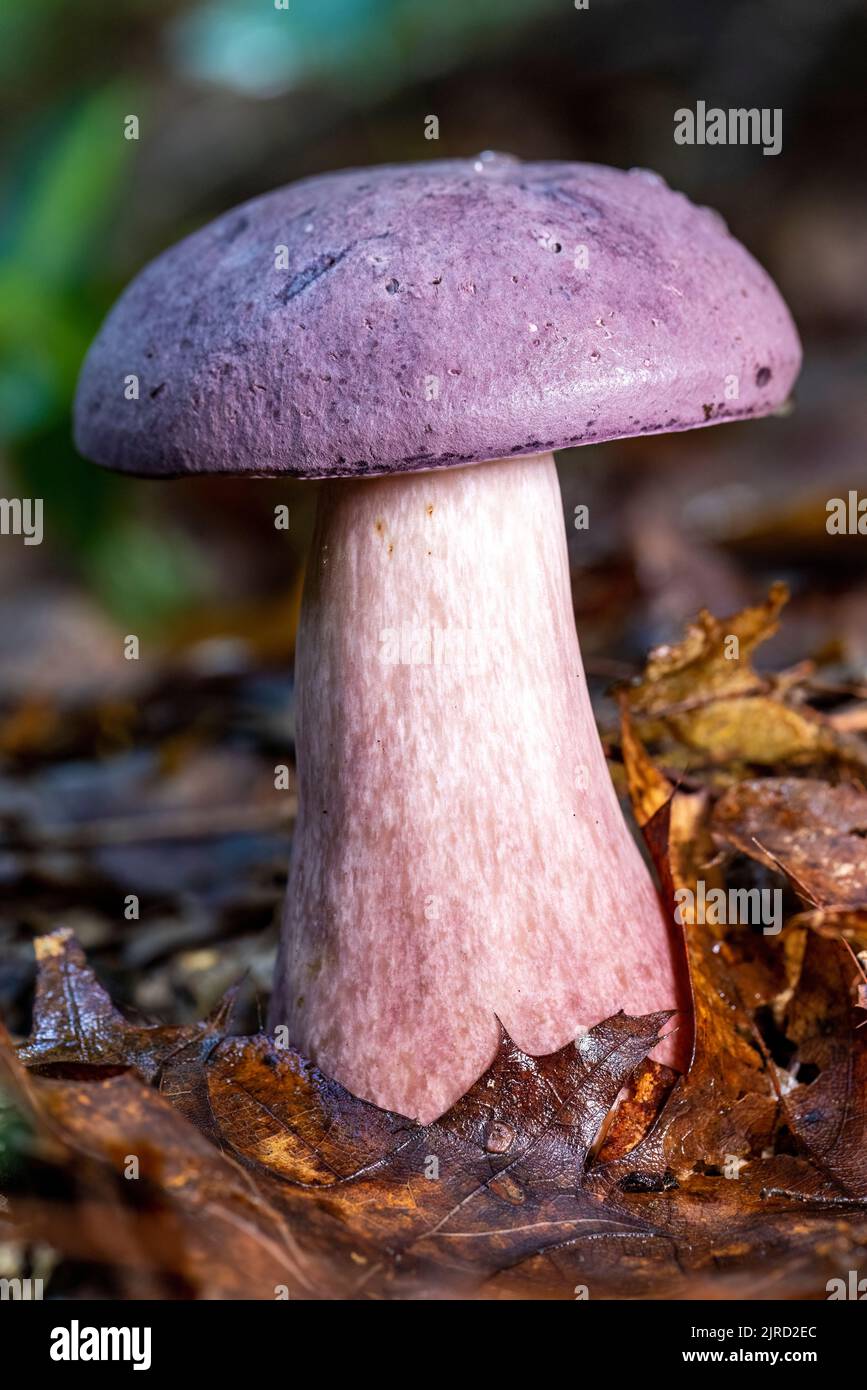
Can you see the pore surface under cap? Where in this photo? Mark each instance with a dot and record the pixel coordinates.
(420, 316)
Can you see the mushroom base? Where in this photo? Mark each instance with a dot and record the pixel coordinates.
(460, 853)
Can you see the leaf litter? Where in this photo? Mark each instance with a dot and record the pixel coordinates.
(593, 1170)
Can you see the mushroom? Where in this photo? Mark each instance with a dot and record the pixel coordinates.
(460, 855)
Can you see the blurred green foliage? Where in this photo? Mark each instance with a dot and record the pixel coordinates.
(63, 186)
(63, 183)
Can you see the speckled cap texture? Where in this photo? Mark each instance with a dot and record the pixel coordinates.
(427, 315)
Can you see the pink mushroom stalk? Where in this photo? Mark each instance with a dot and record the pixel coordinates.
(460, 853)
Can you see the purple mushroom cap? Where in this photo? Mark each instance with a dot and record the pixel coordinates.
(426, 315)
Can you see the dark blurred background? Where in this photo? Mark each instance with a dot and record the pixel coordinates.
(155, 778)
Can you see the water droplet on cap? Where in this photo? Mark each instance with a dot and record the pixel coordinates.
(648, 176)
(715, 217)
(493, 161)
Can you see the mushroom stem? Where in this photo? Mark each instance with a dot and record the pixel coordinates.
(460, 852)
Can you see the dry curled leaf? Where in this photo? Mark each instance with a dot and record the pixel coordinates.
(703, 703)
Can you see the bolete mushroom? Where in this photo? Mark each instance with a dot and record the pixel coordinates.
(460, 853)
